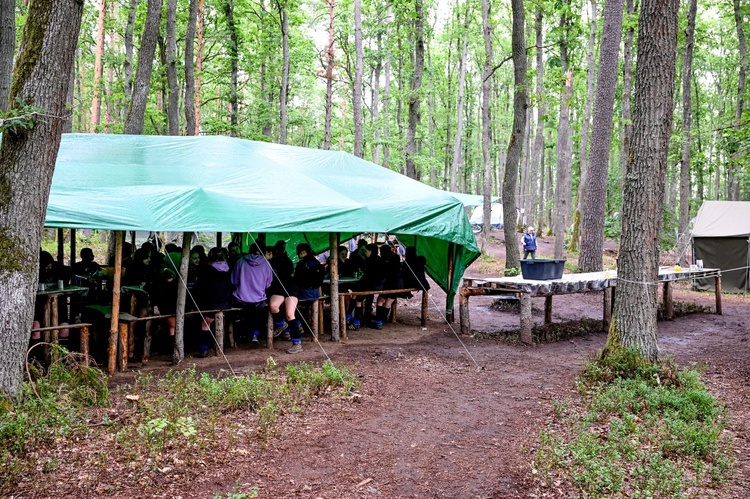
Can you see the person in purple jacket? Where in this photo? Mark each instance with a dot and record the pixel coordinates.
(251, 276)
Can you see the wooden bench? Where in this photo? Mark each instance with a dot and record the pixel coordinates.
(315, 319)
(394, 307)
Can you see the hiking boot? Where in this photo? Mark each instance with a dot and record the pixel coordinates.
(296, 348)
(286, 336)
(353, 326)
(255, 340)
(278, 328)
(376, 324)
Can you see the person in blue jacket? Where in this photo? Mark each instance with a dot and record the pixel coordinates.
(529, 244)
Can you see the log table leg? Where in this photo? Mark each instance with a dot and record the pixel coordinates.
(425, 301)
(147, 343)
(269, 331)
(717, 279)
(668, 303)
(526, 318)
(548, 309)
(463, 310)
(315, 320)
(219, 321)
(342, 317)
(85, 345)
(607, 306)
(123, 346)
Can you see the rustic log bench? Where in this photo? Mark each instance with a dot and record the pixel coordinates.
(50, 335)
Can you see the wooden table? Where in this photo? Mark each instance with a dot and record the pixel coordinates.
(50, 318)
(525, 289)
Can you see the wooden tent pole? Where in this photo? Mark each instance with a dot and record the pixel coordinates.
(451, 267)
(72, 247)
(179, 332)
(333, 240)
(115, 318)
(61, 246)
(219, 237)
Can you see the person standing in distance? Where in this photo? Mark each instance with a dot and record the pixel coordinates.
(529, 244)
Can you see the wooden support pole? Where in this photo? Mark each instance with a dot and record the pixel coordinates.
(463, 309)
(147, 343)
(114, 320)
(61, 246)
(84, 346)
(394, 310)
(219, 237)
(333, 240)
(607, 308)
(269, 330)
(219, 325)
(526, 318)
(425, 302)
(717, 291)
(123, 346)
(451, 272)
(315, 320)
(54, 310)
(179, 332)
(342, 316)
(72, 247)
(548, 309)
(667, 300)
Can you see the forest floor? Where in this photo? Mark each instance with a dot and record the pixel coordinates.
(440, 414)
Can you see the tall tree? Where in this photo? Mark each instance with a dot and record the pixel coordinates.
(27, 161)
(190, 118)
(7, 48)
(234, 64)
(512, 160)
(456, 163)
(357, 93)
(415, 90)
(634, 321)
(329, 52)
(173, 102)
(285, 63)
(486, 138)
(127, 65)
(137, 111)
(626, 129)
(537, 154)
(96, 100)
(687, 118)
(564, 144)
(733, 181)
(595, 194)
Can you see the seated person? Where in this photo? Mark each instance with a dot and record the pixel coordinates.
(251, 276)
(235, 253)
(283, 291)
(308, 276)
(393, 280)
(213, 289)
(414, 270)
(373, 279)
(86, 266)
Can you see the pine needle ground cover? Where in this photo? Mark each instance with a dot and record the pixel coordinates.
(640, 430)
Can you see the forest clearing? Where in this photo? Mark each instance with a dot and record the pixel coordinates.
(436, 414)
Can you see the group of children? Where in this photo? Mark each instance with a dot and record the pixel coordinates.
(264, 277)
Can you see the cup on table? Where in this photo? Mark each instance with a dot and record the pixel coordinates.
(60, 284)
(699, 263)
(693, 268)
(40, 287)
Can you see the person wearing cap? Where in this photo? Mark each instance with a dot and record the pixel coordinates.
(529, 243)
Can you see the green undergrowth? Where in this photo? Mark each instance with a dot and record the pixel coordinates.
(183, 408)
(640, 430)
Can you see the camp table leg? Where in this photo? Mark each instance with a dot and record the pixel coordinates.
(85, 345)
(123, 346)
(342, 317)
(269, 331)
(717, 280)
(219, 321)
(548, 309)
(54, 318)
(607, 306)
(463, 310)
(667, 299)
(394, 310)
(526, 337)
(147, 343)
(231, 334)
(315, 320)
(425, 301)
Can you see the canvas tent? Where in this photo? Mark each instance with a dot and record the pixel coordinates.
(222, 184)
(721, 238)
(496, 216)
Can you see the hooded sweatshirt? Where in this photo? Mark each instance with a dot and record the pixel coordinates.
(251, 275)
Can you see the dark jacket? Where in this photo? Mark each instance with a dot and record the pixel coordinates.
(529, 242)
(308, 275)
(214, 286)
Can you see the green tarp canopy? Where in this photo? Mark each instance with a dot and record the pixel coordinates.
(222, 184)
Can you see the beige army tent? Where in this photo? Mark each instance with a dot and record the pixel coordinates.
(721, 238)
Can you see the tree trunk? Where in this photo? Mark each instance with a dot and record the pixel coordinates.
(190, 121)
(233, 52)
(733, 180)
(357, 91)
(386, 98)
(634, 322)
(512, 258)
(27, 161)
(456, 164)
(415, 91)
(283, 91)
(127, 65)
(486, 139)
(178, 353)
(137, 111)
(330, 52)
(564, 148)
(627, 89)
(537, 155)
(173, 103)
(96, 91)
(585, 125)
(687, 118)
(199, 67)
(595, 194)
(7, 49)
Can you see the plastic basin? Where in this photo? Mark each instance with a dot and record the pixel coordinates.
(542, 270)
